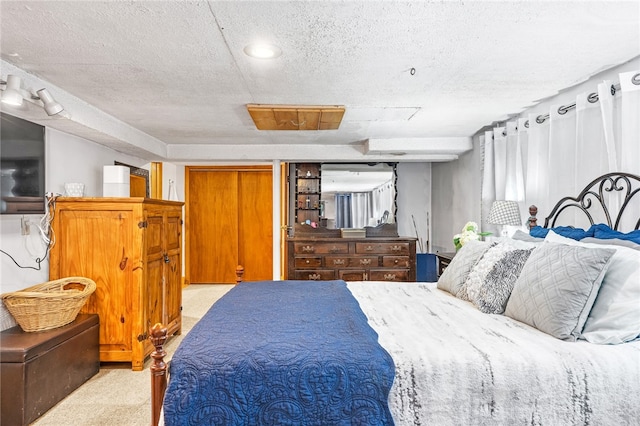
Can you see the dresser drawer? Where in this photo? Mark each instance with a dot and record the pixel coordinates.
(321, 248)
(395, 261)
(337, 261)
(389, 275)
(315, 275)
(351, 262)
(364, 262)
(383, 248)
(353, 275)
(308, 262)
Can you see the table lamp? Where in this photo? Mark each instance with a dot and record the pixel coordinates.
(504, 213)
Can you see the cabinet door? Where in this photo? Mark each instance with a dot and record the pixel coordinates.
(100, 245)
(155, 270)
(173, 270)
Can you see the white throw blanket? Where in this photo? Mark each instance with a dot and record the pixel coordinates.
(458, 366)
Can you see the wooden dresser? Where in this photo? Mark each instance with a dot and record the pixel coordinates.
(352, 259)
(132, 249)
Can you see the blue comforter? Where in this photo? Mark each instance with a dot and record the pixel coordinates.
(281, 353)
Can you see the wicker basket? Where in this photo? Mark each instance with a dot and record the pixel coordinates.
(49, 305)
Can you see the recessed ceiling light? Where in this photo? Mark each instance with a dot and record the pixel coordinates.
(262, 51)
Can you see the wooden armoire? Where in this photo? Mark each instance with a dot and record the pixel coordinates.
(132, 249)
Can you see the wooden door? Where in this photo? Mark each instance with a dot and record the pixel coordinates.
(255, 233)
(229, 211)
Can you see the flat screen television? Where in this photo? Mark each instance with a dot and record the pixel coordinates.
(22, 166)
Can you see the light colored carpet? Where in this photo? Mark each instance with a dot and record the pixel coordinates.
(119, 396)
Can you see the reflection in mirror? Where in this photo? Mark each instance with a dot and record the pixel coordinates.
(357, 195)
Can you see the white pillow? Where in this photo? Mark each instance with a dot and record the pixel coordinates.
(557, 288)
(454, 277)
(615, 316)
(478, 274)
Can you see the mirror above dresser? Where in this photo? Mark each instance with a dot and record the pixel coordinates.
(329, 198)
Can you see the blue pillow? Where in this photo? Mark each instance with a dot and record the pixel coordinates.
(603, 232)
(565, 231)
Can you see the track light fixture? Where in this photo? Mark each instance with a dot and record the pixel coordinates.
(14, 95)
(50, 105)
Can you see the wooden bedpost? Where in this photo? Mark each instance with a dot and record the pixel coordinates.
(158, 336)
(239, 273)
(533, 220)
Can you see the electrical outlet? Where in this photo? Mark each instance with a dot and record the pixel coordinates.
(25, 226)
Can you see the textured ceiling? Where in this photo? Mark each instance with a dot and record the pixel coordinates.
(176, 73)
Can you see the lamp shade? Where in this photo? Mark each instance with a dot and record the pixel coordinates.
(50, 105)
(11, 94)
(505, 213)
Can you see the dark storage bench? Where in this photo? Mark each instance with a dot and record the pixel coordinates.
(39, 369)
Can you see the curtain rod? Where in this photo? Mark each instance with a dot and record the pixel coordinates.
(592, 98)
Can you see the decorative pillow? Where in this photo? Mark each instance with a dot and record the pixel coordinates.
(603, 231)
(494, 292)
(611, 242)
(523, 236)
(615, 316)
(565, 231)
(453, 278)
(481, 269)
(557, 288)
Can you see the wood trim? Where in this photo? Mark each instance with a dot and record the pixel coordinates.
(156, 180)
(284, 217)
(185, 248)
(238, 168)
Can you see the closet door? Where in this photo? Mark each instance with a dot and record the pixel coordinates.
(229, 213)
(255, 234)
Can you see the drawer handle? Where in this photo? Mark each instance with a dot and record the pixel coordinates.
(396, 248)
(389, 277)
(368, 248)
(365, 261)
(308, 249)
(334, 249)
(395, 261)
(307, 261)
(338, 261)
(314, 277)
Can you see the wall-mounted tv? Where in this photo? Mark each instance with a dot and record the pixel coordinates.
(22, 166)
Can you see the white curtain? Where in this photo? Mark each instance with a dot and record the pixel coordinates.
(503, 173)
(382, 198)
(538, 159)
(361, 209)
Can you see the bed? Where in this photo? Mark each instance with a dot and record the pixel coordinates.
(541, 329)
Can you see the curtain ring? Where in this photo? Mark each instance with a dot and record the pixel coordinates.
(526, 124)
(540, 119)
(593, 98)
(636, 79)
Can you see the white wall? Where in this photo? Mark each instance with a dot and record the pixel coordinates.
(414, 199)
(68, 159)
(456, 197)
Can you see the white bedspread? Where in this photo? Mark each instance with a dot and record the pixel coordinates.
(458, 366)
